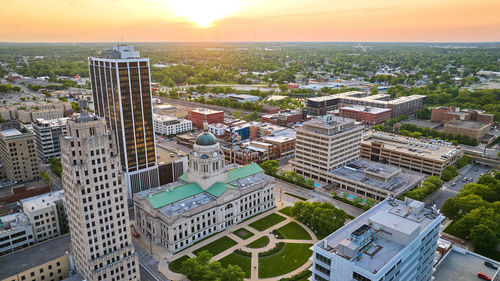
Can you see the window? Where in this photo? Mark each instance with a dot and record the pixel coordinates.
(359, 277)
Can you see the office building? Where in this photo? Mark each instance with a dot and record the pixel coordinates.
(96, 201)
(473, 129)
(285, 118)
(18, 153)
(394, 240)
(424, 156)
(400, 106)
(444, 114)
(200, 115)
(121, 89)
(49, 260)
(324, 144)
(366, 114)
(46, 214)
(15, 233)
(47, 133)
(210, 197)
(166, 125)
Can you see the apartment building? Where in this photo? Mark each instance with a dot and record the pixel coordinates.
(324, 144)
(394, 240)
(96, 202)
(49, 260)
(366, 114)
(200, 115)
(18, 153)
(15, 233)
(166, 125)
(47, 133)
(46, 214)
(429, 157)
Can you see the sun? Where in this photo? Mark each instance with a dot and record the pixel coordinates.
(204, 12)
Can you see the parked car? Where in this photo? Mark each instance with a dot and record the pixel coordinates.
(483, 276)
(464, 179)
(454, 184)
(470, 178)
(491, 265)
(476, 169)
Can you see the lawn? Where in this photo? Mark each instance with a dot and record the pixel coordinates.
(296, 196)
(286, 211)
(236, 259)
(291, 257)
(259, 243)
(293, 230)
(267, 221)
(218, 246)
(175, 265)
(243, 233)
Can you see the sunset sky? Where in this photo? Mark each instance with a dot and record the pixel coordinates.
(249, 20)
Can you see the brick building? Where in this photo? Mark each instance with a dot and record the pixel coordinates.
(475, 130)
(285, 118)
(366, 114)
(445, 114)
(200, 115)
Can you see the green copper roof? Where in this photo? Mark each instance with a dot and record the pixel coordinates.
(206, 138)
(184, 177)
(218, 188)
(243, 172)
(178, 193)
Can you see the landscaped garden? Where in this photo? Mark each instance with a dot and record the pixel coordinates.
(237, 259)
(218, 246)
(243, 233)
(267, 221)
(176, 265)
(293, 230)
(290, 257)
(286, 211)
(259, 243)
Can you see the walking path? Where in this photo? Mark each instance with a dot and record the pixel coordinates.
(164, 261)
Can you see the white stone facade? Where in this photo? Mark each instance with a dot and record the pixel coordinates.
(165, 125)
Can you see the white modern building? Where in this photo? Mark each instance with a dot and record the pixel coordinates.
(207, 199)
(15, 233)
(243, 98)
(96, 202)
(46, 214)
(47, 133)
(218, 129)
(393, 241)
(166, 125)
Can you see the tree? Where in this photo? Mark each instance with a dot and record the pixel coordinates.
(483, 238)
(270, 167)
(237, 114)
(374, 91)
(322, 218)
(55, 166)
(201, 269)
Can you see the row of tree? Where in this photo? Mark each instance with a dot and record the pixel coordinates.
(431, 133)
(322, 218)
(430, 185)
(200, 268)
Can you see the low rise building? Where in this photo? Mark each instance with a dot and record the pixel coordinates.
(366, 114)
(15, 233)
(473, 129)
(444, 114)
(18, 153)
(166, 125)
(200, 115)
(243, 97)
(240, 154)
(394, 240)
(284, 143)
(285, 118)
(47, 133)
(429, 157)
(46, 214)
(13, 193)
(186, 139)
(50, 260)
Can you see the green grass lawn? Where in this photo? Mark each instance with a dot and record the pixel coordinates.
(218, 246)
(296, 196)
(293, 230)
(259, 243)
(243, 233)
(236, 259)
(175, 265)
(267, 221)
(291, 257)
(286, 211)
(302, 276)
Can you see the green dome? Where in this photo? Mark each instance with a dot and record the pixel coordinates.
(206, 138)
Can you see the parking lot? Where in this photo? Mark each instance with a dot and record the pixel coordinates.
(462, 267)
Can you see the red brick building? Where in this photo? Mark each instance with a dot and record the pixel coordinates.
(366, 114)
(445, 114)
(285, 118)
(23, 191)
(199, 115)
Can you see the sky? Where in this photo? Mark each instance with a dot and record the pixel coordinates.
(249, 20)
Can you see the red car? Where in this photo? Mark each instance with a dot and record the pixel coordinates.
(483, 276)
(137, 235)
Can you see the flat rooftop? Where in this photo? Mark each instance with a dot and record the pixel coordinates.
(206, 111)
(462, 267)
(467, 124)
(367, 109)
(166, 155)
(428, 149)
(42, 201)
(12, 221)
(329, 125)
(378, 176)
(35, 255)
(10, 132)
(408, 219)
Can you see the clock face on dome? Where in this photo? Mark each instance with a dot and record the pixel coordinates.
(215, 154)
(195, 154)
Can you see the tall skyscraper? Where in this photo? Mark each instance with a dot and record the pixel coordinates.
(121, 89)
(96, 202)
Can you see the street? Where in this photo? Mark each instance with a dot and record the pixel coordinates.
(448, 191)
(55, 181)
(148, 265)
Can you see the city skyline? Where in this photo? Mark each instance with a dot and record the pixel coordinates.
(249, 20)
